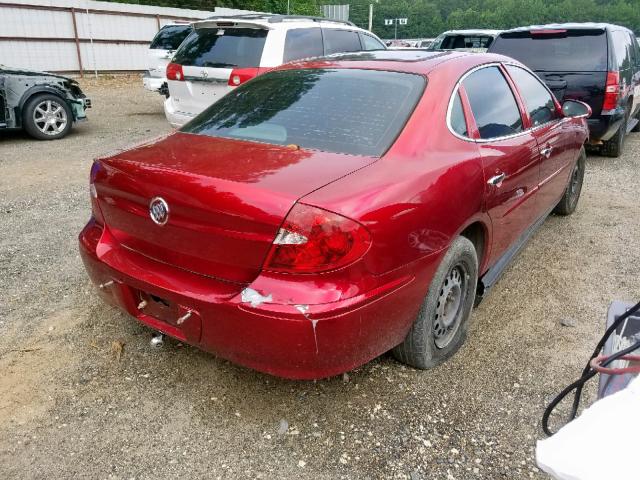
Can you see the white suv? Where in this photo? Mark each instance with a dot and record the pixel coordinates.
(162, 47)
(222, 53)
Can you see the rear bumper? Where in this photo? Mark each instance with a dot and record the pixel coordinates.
(314, 341)
(175, 117)
(153, 84)
(605, 126)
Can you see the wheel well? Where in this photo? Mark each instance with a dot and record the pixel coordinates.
(29, 94)
(476, 234)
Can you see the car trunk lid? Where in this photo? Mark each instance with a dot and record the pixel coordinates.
(588, 87)
(226, 199)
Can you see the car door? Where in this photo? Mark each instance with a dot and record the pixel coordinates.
(550, 129)
(634, 49)
(509, 155)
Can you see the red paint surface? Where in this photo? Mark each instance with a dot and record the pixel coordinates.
(228, 198)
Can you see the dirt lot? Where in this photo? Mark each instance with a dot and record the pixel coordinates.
(83, 395)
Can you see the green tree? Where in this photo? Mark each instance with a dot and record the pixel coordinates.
(428, 18)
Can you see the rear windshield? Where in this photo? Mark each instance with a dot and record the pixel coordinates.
(222, 48)
(358, 112)
(453, 42)
(568, 51)
(170, 38)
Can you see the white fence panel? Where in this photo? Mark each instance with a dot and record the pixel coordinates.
(41, 35)
(35, 23)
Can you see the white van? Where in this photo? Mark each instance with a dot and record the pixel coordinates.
(162, 47)
(222, 53)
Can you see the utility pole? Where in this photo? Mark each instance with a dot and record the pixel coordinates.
(370, 16)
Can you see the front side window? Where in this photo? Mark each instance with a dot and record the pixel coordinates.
(492, 103)
(338, 41)
(457, 119)
(537, 99)
(358, 112)
(370, 43)
(302, 43)
(222, 48)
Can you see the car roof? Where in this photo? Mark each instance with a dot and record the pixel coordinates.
(273, 21)
(568, 26)
(410, 61)
(472, 32)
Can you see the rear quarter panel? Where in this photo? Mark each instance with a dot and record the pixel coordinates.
(424, 191)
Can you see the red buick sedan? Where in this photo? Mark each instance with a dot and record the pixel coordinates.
(331, 210)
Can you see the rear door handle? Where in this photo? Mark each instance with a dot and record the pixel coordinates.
(546, 152)
(497, 180)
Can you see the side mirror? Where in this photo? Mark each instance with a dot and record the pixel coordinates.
(576, 109)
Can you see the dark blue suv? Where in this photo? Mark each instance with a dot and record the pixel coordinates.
(594, 62)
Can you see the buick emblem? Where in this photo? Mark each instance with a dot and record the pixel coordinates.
(159, 211)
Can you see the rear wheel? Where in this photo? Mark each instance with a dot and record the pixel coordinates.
(569, 201)
(614, 146)
(636, 128)
(47, 117)
(440, 328)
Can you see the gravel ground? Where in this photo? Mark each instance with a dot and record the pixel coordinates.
(83, 395)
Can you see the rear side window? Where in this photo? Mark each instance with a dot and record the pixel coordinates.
(457, 119)
(622, 47)
(492, 102)
(537, 98)
(370, 43)
(565, 51)
(338, 41)
(358, 112)
(170, 37)
(222, 48)
(302, 43)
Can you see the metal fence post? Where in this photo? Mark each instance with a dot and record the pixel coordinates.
(75, 35)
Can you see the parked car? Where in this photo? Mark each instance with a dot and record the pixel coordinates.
(425, 43)
(45, 105)
(596, 63)
(161, 49)
(472, 40)
(308, 221)
(223, 53)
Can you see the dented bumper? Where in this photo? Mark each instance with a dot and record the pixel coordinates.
(236, 322)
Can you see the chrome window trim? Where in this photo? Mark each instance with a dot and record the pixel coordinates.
(486, 140)
(544, 85)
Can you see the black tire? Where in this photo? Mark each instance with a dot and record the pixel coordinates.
(33, 112)
(423, 348)
(614, 146)
(636, 128)
(569, 200)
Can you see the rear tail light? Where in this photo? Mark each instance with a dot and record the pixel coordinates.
(93, 193)
(240, 75)
(612, 91)
(174, 72)
(313, 240)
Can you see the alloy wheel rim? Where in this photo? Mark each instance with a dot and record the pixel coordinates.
(448, 314)
(50, 117)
